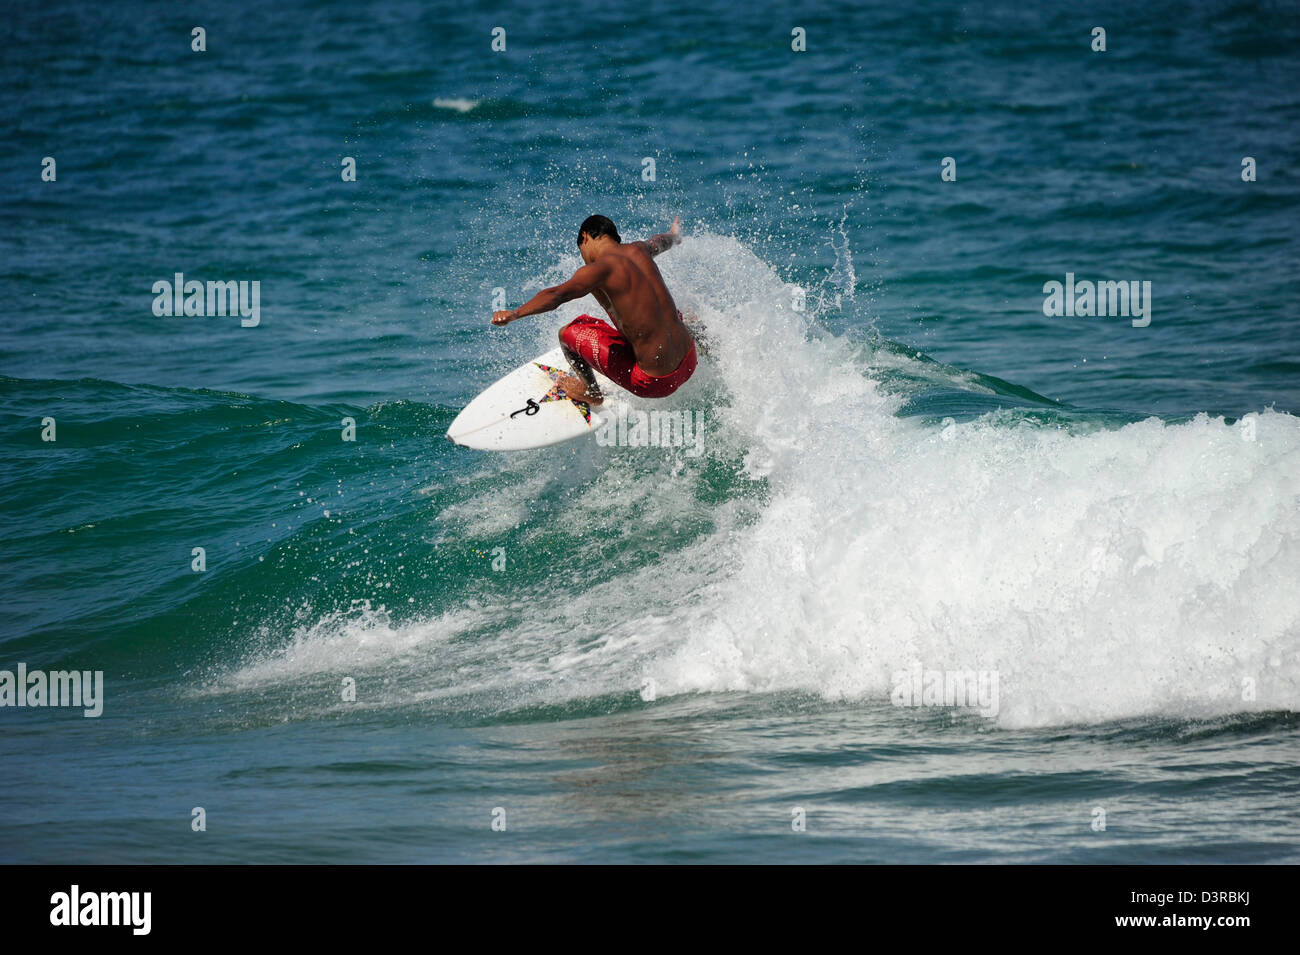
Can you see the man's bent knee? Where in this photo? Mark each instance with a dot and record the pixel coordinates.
(568, 338)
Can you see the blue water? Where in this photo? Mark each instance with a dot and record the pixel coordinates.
(639, 654)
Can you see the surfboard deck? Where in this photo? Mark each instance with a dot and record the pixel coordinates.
(527, 409)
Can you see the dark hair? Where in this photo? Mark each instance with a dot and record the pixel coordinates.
(596, 226)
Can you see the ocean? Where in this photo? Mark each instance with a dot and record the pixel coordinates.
(327, 634)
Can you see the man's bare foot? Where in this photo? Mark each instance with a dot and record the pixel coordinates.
(576, 389)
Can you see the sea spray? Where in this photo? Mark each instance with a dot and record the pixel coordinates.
(1116, 571)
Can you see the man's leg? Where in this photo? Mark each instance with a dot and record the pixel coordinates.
(583, 387)
(591, 345)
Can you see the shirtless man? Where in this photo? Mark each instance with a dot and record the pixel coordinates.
(651, 354)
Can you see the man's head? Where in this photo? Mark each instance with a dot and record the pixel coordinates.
(592, 235)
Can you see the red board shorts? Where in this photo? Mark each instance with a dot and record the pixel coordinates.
(600, 345)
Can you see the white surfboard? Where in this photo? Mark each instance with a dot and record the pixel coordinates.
(527, 409)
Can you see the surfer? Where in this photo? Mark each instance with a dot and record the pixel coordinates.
(648, 350)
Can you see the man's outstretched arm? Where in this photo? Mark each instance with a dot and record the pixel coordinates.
(584, 280)
(665, 240)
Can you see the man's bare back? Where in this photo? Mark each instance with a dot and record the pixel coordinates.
(625, 280)
(634, 295)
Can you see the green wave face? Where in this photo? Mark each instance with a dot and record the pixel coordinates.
(845, 509)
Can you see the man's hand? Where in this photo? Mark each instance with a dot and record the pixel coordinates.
(665, 240)
(584, 281)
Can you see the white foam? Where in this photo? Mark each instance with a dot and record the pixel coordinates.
(458, 103)
(1143, 571)
(351, 642)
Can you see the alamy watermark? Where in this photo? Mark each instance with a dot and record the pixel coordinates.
(1123, 299)
(82, 688)
(655, 429)
(75, 907)
(196, 298)
(970, 689)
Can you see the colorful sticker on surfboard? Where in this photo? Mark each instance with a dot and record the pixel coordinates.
(557, 393)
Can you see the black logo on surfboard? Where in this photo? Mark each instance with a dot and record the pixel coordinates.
(529, 409)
